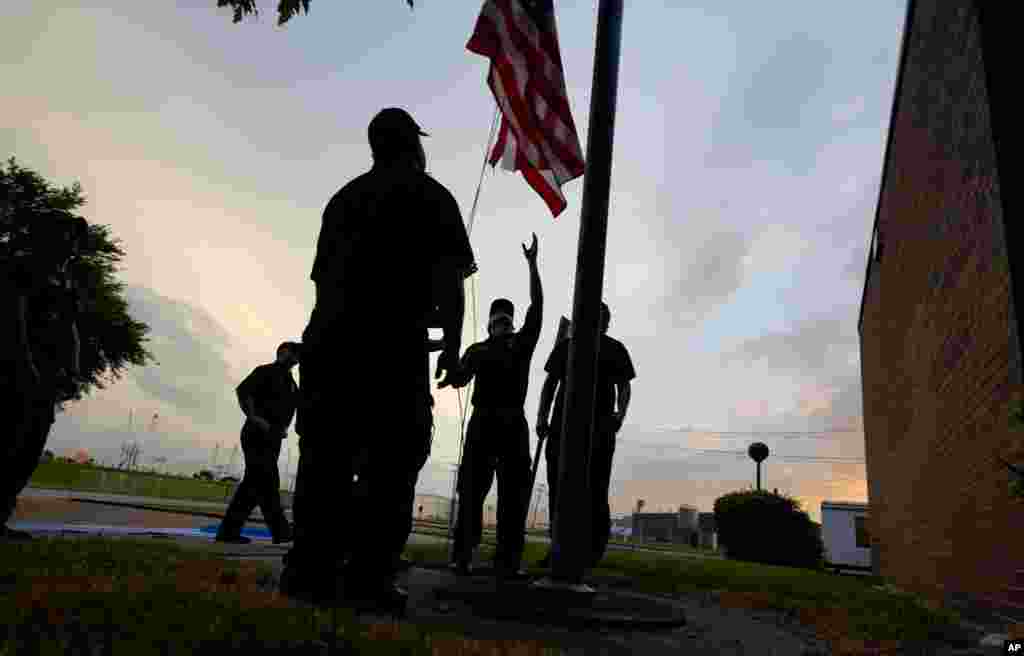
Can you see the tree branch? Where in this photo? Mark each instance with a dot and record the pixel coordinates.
(286, 9)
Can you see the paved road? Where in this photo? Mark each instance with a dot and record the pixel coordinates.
(215, 507)
(121, 498)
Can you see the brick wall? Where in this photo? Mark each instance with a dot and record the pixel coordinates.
(939, 354)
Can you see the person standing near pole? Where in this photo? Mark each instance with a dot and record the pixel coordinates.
(614, 373)
(498, 435)
(268, 397)
(391, 261)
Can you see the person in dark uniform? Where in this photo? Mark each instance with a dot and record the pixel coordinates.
(498, 435)
(268, 397)
(611, 400)
(41, 356)
(391, 261)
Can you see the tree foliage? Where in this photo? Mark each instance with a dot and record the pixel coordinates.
(286, 9)
(769, 528)
(110, 339)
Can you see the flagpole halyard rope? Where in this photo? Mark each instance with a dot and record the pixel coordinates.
(473, 305)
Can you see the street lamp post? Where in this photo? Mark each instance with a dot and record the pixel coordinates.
(758, 451)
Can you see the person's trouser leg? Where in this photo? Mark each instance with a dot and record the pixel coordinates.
(322, 510)
(247, 494)
(551, 454)
(297, 502)
(476, 476)
(600, 481)
(322, 500)
(268, 493)
(395, 456)
(513, 490)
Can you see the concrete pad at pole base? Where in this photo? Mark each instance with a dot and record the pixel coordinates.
(522, 602)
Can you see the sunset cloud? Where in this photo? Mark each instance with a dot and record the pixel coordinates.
(745, 179)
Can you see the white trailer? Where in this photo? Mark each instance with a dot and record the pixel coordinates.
(844, 531)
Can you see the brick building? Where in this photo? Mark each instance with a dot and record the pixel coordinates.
(940, 316)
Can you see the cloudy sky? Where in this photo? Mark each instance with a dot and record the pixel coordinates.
(748, 150)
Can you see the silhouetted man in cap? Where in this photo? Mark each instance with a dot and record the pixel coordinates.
(268, 397)
(391, 261)
(498, 435)
(611, 400)
(40, 340)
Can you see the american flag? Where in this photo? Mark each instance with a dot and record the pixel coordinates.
(537, 135)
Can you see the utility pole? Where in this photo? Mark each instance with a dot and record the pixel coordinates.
(288, 463)
(541, 489)
(571, 546)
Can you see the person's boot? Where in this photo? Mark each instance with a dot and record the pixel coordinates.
(506, 574)
(508, 571)
(284, 534)
(230, 537)
(461, 567)
(377, 597)
(302, 585)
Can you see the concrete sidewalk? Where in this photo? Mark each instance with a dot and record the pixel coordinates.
(123, 498)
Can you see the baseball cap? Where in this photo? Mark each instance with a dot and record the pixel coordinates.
(502, 307)
(394, 120)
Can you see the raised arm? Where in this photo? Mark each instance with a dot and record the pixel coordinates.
(536, 291)
(529, 334)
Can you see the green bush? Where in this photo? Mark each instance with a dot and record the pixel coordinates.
(764, 527)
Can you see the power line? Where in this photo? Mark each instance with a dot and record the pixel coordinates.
(743, 454)
(821, 434)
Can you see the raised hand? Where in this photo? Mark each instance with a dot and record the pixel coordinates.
(531, 252)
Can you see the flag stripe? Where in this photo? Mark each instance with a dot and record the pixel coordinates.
(548, 189)
(538, 148)
(515, 39)
(514, 73)
(538, 136)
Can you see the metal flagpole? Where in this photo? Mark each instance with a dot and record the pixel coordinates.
(571, 548)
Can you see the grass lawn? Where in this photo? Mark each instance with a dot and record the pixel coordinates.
(59, 475)
(662, 546)
(839, 607)
(125, 596)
